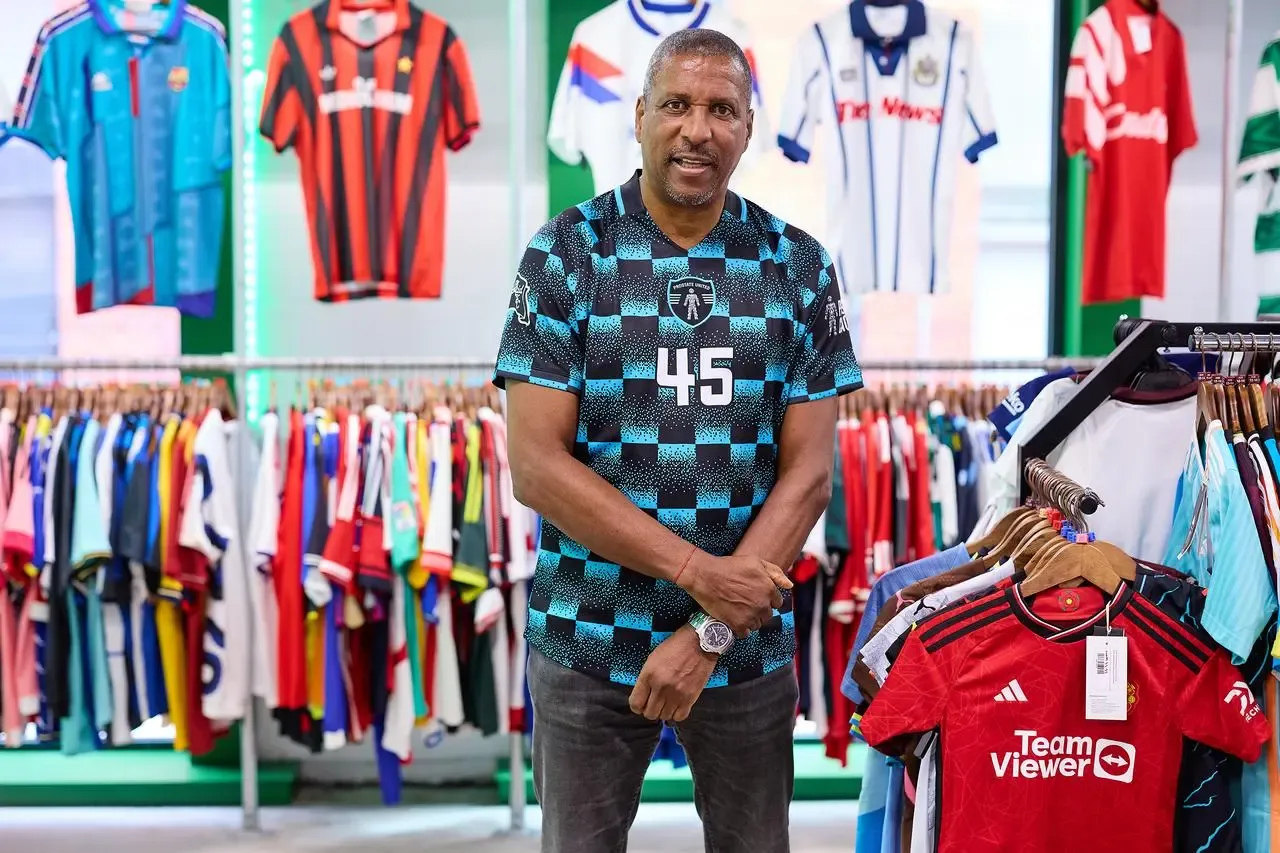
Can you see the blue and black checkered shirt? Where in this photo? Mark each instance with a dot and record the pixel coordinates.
(684, 363)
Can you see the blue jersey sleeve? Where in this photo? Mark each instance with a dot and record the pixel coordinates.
(1241, 597)
(541, 342)
(37, 115)
(219, 70)
(825, 365)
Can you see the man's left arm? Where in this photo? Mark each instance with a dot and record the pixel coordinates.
(806, 459)
(825, 368)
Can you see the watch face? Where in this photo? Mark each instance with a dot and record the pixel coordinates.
(718, 635)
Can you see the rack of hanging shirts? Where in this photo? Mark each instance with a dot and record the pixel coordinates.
(69, 372)
(1137, 342)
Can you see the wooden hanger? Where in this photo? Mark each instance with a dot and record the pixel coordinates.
(1078, 560)
(1259, 403)
(1019, 535)
(1001, 529)
(1245, 404)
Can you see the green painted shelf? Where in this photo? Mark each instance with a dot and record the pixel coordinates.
(817, 778)
(131, 777)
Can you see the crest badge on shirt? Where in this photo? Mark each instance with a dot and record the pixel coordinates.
(520, 300)
(691, 299)
(179, 77)
(926, 71)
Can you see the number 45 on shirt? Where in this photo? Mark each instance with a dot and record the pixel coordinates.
(714, 381)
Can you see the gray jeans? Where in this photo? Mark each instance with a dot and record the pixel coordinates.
(590, 753)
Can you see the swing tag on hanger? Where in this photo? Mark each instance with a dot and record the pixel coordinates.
(1140, 32)
(1106, 675)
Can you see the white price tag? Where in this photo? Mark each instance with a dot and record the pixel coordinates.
(1106, 677)
(1140, 32)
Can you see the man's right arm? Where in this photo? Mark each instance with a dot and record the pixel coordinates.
(739, 590)
(548, 478)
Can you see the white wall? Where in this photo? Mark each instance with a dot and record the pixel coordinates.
(1195, 199)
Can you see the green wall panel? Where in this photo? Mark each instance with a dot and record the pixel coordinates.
(216, 335)
(566, 185)
(1087, 329)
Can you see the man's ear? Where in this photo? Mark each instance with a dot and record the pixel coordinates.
(751, 123)
(639, 115)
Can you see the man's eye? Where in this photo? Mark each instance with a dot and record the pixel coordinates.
(722, 110)
(674, 105)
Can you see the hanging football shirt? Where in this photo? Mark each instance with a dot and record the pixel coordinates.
(1128, 109)
(370, 102)
(1260, 158)
(593, 114)
(1037, 748)
(138, 104)
(900, 95)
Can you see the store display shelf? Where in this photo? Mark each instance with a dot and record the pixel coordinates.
(131, 777)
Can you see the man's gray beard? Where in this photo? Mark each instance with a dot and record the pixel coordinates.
(688, 199)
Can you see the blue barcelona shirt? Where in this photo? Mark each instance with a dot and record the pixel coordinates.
(684, 362)
(138, 104)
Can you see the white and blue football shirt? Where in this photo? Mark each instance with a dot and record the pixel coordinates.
(899, 95)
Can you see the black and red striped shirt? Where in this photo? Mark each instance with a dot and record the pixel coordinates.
(369, 95)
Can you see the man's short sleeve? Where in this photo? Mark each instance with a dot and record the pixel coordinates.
(802, 105)
(1219, 710)
(826, 365)
(463, 114)
(912, 700)
(38, 114)
(541, 343)
(283, 97)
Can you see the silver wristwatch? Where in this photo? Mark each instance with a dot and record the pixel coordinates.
(713, 635)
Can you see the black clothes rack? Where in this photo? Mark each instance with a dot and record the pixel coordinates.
(1137, 341)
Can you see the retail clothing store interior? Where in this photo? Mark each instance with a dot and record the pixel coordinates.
(264, 580)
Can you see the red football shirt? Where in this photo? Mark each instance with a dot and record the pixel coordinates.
(370, 104)
(1128, 108)
(1021, 767)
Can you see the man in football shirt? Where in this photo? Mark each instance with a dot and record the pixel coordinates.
(678, 451)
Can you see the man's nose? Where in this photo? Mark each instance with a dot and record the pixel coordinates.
(697, 126)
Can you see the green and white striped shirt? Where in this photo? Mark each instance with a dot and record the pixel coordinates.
(1260, 157)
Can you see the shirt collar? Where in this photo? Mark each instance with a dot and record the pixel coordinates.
(862, 29)
(108, 24)
(333, 19)
(667, 7)
(629, 201)
(1133, 7)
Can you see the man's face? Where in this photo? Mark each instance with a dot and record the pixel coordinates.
(695, 127)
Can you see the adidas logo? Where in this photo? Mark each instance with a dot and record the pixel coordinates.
(1012, 693)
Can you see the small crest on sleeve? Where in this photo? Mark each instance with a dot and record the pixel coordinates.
(520, 300)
